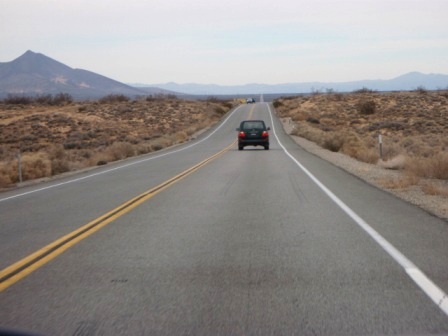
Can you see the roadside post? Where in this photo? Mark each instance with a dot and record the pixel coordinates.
(380, 142)
(19, 159)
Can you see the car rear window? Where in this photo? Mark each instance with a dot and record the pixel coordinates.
(250, 125)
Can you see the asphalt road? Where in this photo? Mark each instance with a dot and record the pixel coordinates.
(253, 242)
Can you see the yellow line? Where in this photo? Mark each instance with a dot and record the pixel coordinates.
(27, 265)
(251, 112)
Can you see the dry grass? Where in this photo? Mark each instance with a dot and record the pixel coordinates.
(435, 167)
(435, 189)
(396, 163)
(413, 127)
(401, 182)
(57, 139)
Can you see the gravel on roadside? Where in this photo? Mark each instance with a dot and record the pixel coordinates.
(373, 174)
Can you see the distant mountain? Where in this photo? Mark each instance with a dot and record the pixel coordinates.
(152, 90)
(34, 74)
(407, 82)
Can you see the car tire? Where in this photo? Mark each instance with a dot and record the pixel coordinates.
(240, 147)
(266, 147)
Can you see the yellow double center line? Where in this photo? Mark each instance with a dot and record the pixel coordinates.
(24, 267)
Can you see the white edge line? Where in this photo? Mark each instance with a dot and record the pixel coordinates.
(437, 295)
(123, 166)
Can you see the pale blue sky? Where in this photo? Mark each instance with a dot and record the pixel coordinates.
(231, 41)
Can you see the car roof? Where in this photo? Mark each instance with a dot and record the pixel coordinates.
(252, 121)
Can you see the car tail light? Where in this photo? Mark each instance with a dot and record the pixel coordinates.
(265, 134)
(241, 135)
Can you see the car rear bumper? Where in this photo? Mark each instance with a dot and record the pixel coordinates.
(254, 142)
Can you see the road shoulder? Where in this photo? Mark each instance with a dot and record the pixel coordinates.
(377, 176)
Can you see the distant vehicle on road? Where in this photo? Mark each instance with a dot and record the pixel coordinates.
(253, 133)
(250, 101)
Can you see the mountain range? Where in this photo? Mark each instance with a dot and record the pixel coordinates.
(37, 74)
(407, 82)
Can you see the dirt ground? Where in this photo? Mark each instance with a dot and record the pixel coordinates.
(56, 139)
(381, 177)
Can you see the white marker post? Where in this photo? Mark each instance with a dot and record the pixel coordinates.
(380, 142)
(19, 159)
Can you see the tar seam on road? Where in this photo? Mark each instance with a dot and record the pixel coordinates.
(25, 266)
(429, 287)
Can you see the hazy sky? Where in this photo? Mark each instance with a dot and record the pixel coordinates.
(231, 41)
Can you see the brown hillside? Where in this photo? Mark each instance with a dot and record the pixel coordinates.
(413, 126)
(56, 139)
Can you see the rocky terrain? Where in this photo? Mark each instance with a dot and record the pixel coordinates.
(57, 139)
(345, 129)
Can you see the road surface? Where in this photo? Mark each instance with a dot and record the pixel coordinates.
(250, 242)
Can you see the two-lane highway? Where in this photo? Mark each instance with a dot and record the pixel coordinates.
(253, 242)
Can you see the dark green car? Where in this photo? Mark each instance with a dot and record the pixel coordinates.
(253, 133)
